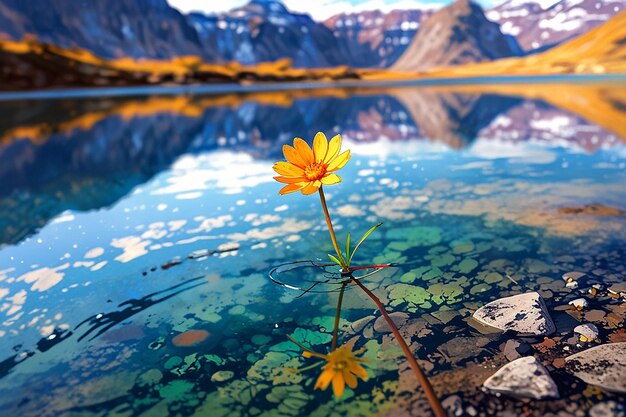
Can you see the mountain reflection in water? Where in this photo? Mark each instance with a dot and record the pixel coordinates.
(85, 154)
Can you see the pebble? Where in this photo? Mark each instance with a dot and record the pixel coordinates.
(572, 285)
(573, 276)
(579, 303)
(514, 349)
(524, 313)
(595, 315)
(618, 290)
(524, 377)
(360, 324)
(222, 376)
(587, 332)
(453, 405)
(607, 409)
(398, 318)
(604, 366)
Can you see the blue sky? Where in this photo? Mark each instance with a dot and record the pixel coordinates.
(319, 9)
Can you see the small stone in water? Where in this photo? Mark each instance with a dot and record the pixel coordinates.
(608, 409)
(514, 349)
(573, 276)
(572, 285)
(453, 405)
(603, 365)
(618, 290)
(190, 338)
(157, 344)
(525, 377)
(221, 376)
(523, 313)
(587, 332)
(579, 303)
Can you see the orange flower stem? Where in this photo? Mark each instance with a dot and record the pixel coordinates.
(435, 405)
(337, 317)
(331, 230)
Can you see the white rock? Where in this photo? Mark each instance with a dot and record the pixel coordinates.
(607, 409)
(604, 366)
(579, 303)
(524, 313)
(524, 377)
(453, 405)
(572, 285)
(588, 331)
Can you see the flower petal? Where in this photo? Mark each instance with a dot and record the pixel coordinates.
(338, 384)
(324, 379)
(288, 169)
(330, 179)
(293, 156)
(358, 370)
(320, 147)
(290, 188)
(333, 148)
(304, 150)
(339, 161)
(290, 180)
(311, 187)
(350, 379)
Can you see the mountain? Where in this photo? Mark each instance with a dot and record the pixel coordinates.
(265, 30)
(136, 28)
(386, 35)
(260, 31)
(539, 26)
(457, 34)
(601, 50)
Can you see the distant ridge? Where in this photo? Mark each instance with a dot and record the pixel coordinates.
(457, 34)
(540, 25)
(599, 51)
(108, 28)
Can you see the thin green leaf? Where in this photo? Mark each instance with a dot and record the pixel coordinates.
(348, 246)
(334, 259)
(365, 236)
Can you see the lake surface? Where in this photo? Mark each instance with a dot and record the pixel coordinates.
(126, 222)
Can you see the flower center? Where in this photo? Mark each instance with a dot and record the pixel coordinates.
(340, 365)
(314, 171)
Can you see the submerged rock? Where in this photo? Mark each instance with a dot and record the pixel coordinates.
(398, 318)
(573, 276)
(190, 338)
(460, 348)
(604, 366)
(608, 409)
(453, 405)
(524, 314)
(618, 290)
(514, 349)
(525, 377)
(596, 209)
(587, 332)
(222, 376)
(579, 303)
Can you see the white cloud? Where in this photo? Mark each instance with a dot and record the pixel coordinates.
(320, 10)
(186, 6)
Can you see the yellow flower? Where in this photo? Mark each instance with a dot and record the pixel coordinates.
(342, 367)
(307, 169)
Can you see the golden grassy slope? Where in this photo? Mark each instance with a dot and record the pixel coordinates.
(30, 64)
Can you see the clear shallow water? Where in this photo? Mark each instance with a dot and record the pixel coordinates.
(126, 222)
